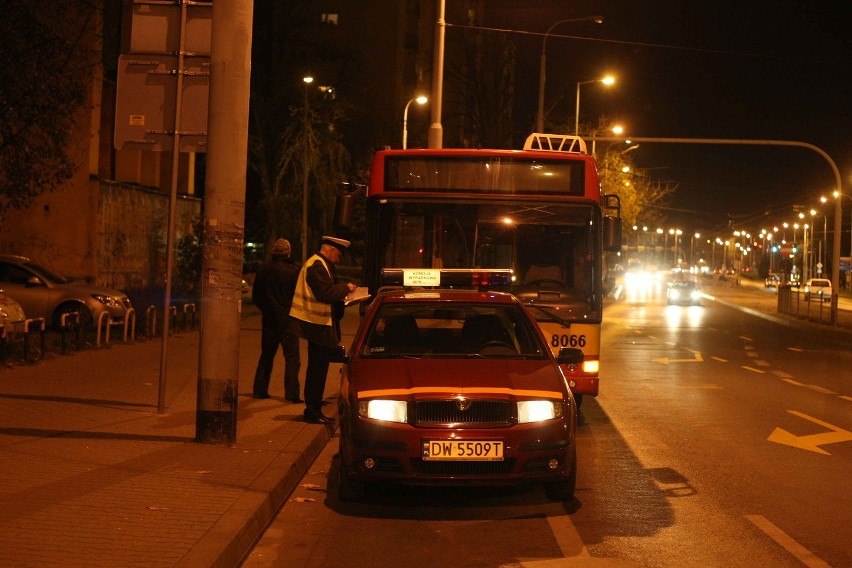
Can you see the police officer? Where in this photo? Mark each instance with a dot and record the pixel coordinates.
(318, 305)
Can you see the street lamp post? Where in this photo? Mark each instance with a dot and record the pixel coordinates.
(421, 100)
(542, 64)
(306, 121)
(608, 80)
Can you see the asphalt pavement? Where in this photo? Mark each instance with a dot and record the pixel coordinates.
(95, 476)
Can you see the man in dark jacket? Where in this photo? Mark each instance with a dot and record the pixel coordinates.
(272, 293)
(318, 305)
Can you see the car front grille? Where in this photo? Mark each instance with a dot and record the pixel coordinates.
(479, 413)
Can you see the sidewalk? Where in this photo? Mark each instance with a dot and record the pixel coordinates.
(94, 476)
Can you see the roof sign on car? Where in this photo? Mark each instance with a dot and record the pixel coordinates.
(447, 277)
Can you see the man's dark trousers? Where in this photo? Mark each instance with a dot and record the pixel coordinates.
(270, 339)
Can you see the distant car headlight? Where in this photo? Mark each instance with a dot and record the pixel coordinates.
(386, 410)
(538, 410)
(674, 294)
(695, 295)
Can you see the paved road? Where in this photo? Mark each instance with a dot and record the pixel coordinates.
(94, 476)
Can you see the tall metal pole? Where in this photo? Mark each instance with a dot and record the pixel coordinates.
(306, 169)
(542, 65)
(436, 132)
(224, 216)
(170, 235)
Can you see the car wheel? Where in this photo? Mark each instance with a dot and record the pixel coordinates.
(348, 491)
(85, 315)
(563, 490)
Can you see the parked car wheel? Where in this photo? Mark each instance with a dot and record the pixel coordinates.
(564, 490)
(347, 490)
(85, 315)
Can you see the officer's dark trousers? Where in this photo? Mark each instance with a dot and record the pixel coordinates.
(315, 378)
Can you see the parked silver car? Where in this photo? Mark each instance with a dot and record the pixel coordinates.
(11, 315)
(43, 294)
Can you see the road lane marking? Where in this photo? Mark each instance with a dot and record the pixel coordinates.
(747, 368)
(811, 442)
(796, 349)
(816, 388)
(804, 555)
(666, 360)
(719, 359)
(567, 537)
(782, 375)
(844, 397)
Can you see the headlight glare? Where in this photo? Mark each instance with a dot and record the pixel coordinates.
(386, 410)
(538, 410)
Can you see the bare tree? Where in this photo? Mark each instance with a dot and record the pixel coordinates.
(294, 128)
(47, 56)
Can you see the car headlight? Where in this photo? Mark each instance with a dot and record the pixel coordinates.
(386, 410)
(105, 299)
(674, 294)
(538, 410)
(695, 295)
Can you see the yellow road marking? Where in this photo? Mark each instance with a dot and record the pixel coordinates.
(747, 368)
(811, 442)
(804, 555)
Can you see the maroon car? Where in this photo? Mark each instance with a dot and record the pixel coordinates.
(455, 387)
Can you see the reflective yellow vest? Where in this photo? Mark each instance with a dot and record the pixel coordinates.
(305, 306)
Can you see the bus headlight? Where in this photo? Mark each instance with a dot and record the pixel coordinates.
(538, 410)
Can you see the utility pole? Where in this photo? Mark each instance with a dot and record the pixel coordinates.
(436, 130)
(224, 214)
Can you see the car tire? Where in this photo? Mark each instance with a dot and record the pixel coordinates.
(348, 491)
(85, 315)
(563, 490)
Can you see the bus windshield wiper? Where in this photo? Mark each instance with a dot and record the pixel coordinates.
(549, 312)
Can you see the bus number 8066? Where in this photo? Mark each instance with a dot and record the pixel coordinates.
(567, 340)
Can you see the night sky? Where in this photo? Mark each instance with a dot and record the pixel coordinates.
(744, 69)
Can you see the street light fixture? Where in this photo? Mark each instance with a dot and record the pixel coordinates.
(307, 80)
(542, 66)
(421, 100)
(608, 80)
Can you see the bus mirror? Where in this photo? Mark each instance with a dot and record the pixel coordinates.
(344, 207)
(612, 234)
(570, 356)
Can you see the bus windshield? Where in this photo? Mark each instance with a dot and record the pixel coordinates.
(551, 247)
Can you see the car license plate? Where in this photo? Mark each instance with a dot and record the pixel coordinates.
(468, 450)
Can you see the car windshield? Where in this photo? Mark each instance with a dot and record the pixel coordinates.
(452, 330)
(820, 283)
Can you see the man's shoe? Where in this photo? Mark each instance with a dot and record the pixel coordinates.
(260, 396)
(296, 400)
(318, 418)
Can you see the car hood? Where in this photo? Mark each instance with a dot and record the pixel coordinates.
(425, 378)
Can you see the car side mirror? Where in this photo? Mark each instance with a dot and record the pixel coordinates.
(337, 354)
(570, 356)
(33, 281)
